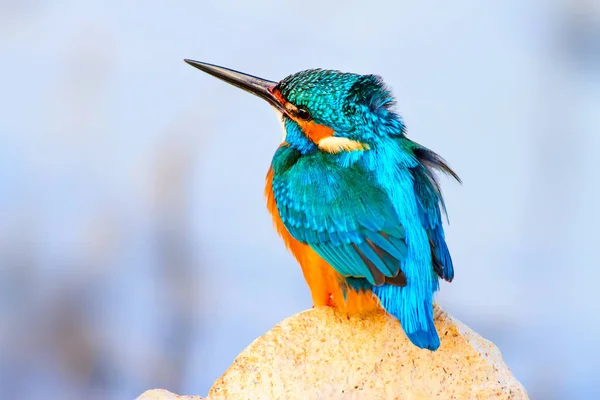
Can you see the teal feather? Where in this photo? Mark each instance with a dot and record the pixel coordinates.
(337, 226)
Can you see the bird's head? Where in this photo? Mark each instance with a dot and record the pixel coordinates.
(323, 109)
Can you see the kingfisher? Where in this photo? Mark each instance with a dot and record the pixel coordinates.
(354, 199)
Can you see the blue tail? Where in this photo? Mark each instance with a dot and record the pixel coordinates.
(415, 314)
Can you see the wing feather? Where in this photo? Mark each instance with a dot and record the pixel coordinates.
(345, 217)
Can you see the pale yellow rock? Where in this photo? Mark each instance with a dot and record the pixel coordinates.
(320, 354)
(161, 394)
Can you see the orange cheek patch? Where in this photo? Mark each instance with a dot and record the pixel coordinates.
(315, 132)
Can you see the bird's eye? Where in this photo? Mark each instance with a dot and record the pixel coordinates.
(303, 114)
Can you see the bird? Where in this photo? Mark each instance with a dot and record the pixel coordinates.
(356, 201)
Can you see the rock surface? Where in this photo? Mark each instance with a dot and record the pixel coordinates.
(321, 354)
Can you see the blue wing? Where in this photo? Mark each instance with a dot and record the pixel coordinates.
(429, 201)
(345, 217)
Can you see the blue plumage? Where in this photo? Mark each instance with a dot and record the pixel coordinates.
(339, 212)
(376, 218)
(374, 215)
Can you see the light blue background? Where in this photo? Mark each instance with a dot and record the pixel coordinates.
(135, 248)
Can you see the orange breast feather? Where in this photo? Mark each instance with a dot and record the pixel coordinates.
(324, 282)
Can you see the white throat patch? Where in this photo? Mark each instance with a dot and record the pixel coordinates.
(333, 144)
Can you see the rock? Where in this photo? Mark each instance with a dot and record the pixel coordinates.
(323, 354)
(161, 394)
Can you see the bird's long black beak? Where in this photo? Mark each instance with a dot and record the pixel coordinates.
(252, 84)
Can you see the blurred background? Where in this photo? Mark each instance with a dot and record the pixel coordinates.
(135, 248)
